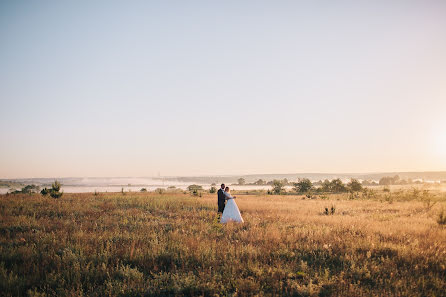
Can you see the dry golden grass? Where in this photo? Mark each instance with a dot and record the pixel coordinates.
(172, 245)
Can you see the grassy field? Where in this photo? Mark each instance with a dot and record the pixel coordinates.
(146, 244)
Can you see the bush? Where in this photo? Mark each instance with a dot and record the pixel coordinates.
(160, 191)
(212, 190)
(56, 195)
(143, 190)
(193, 188)
(368, 193)
(428, 200)
(45, 191)
(353, 195)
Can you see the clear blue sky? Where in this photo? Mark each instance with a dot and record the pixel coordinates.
(133, 88)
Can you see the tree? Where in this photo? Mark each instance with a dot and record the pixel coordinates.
(143, 190)
(55, 190)
(28, 189)
(354, 185)
(212, 190)
(337, 186)
(278, 186)
(389, 180)
(303, 186)
(260, 182)
(241, 181)
(318, 183)
(368, 182)
(326, 186)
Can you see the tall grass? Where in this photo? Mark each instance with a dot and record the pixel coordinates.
(147, 244)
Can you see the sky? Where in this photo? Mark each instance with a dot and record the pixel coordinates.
(147, 88)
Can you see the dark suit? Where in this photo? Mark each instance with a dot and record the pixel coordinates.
(221, 200)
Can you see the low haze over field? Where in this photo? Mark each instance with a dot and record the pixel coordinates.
(184, 88)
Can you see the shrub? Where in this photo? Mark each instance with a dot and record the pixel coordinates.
(193, 188)
(56, 194)
(353, 195)
(427, 200)
(45, 191)
(368, 193)
(160, 191)
(415, 193)
(143, 190)
(212, 190)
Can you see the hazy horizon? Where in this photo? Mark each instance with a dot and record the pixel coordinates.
(141, 89)
(235, 175)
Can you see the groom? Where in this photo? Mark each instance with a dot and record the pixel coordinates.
(221, 198)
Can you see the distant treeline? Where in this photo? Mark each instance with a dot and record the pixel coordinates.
(305, 186)
(384, 181)
(54, 191)
(10, 184)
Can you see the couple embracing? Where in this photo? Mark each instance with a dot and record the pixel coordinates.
(227, 206)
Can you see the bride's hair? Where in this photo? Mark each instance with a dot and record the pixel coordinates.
(227, 189)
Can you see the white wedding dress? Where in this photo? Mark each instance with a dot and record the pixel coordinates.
(231, 211)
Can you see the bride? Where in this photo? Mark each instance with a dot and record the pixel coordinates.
(231, 211)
